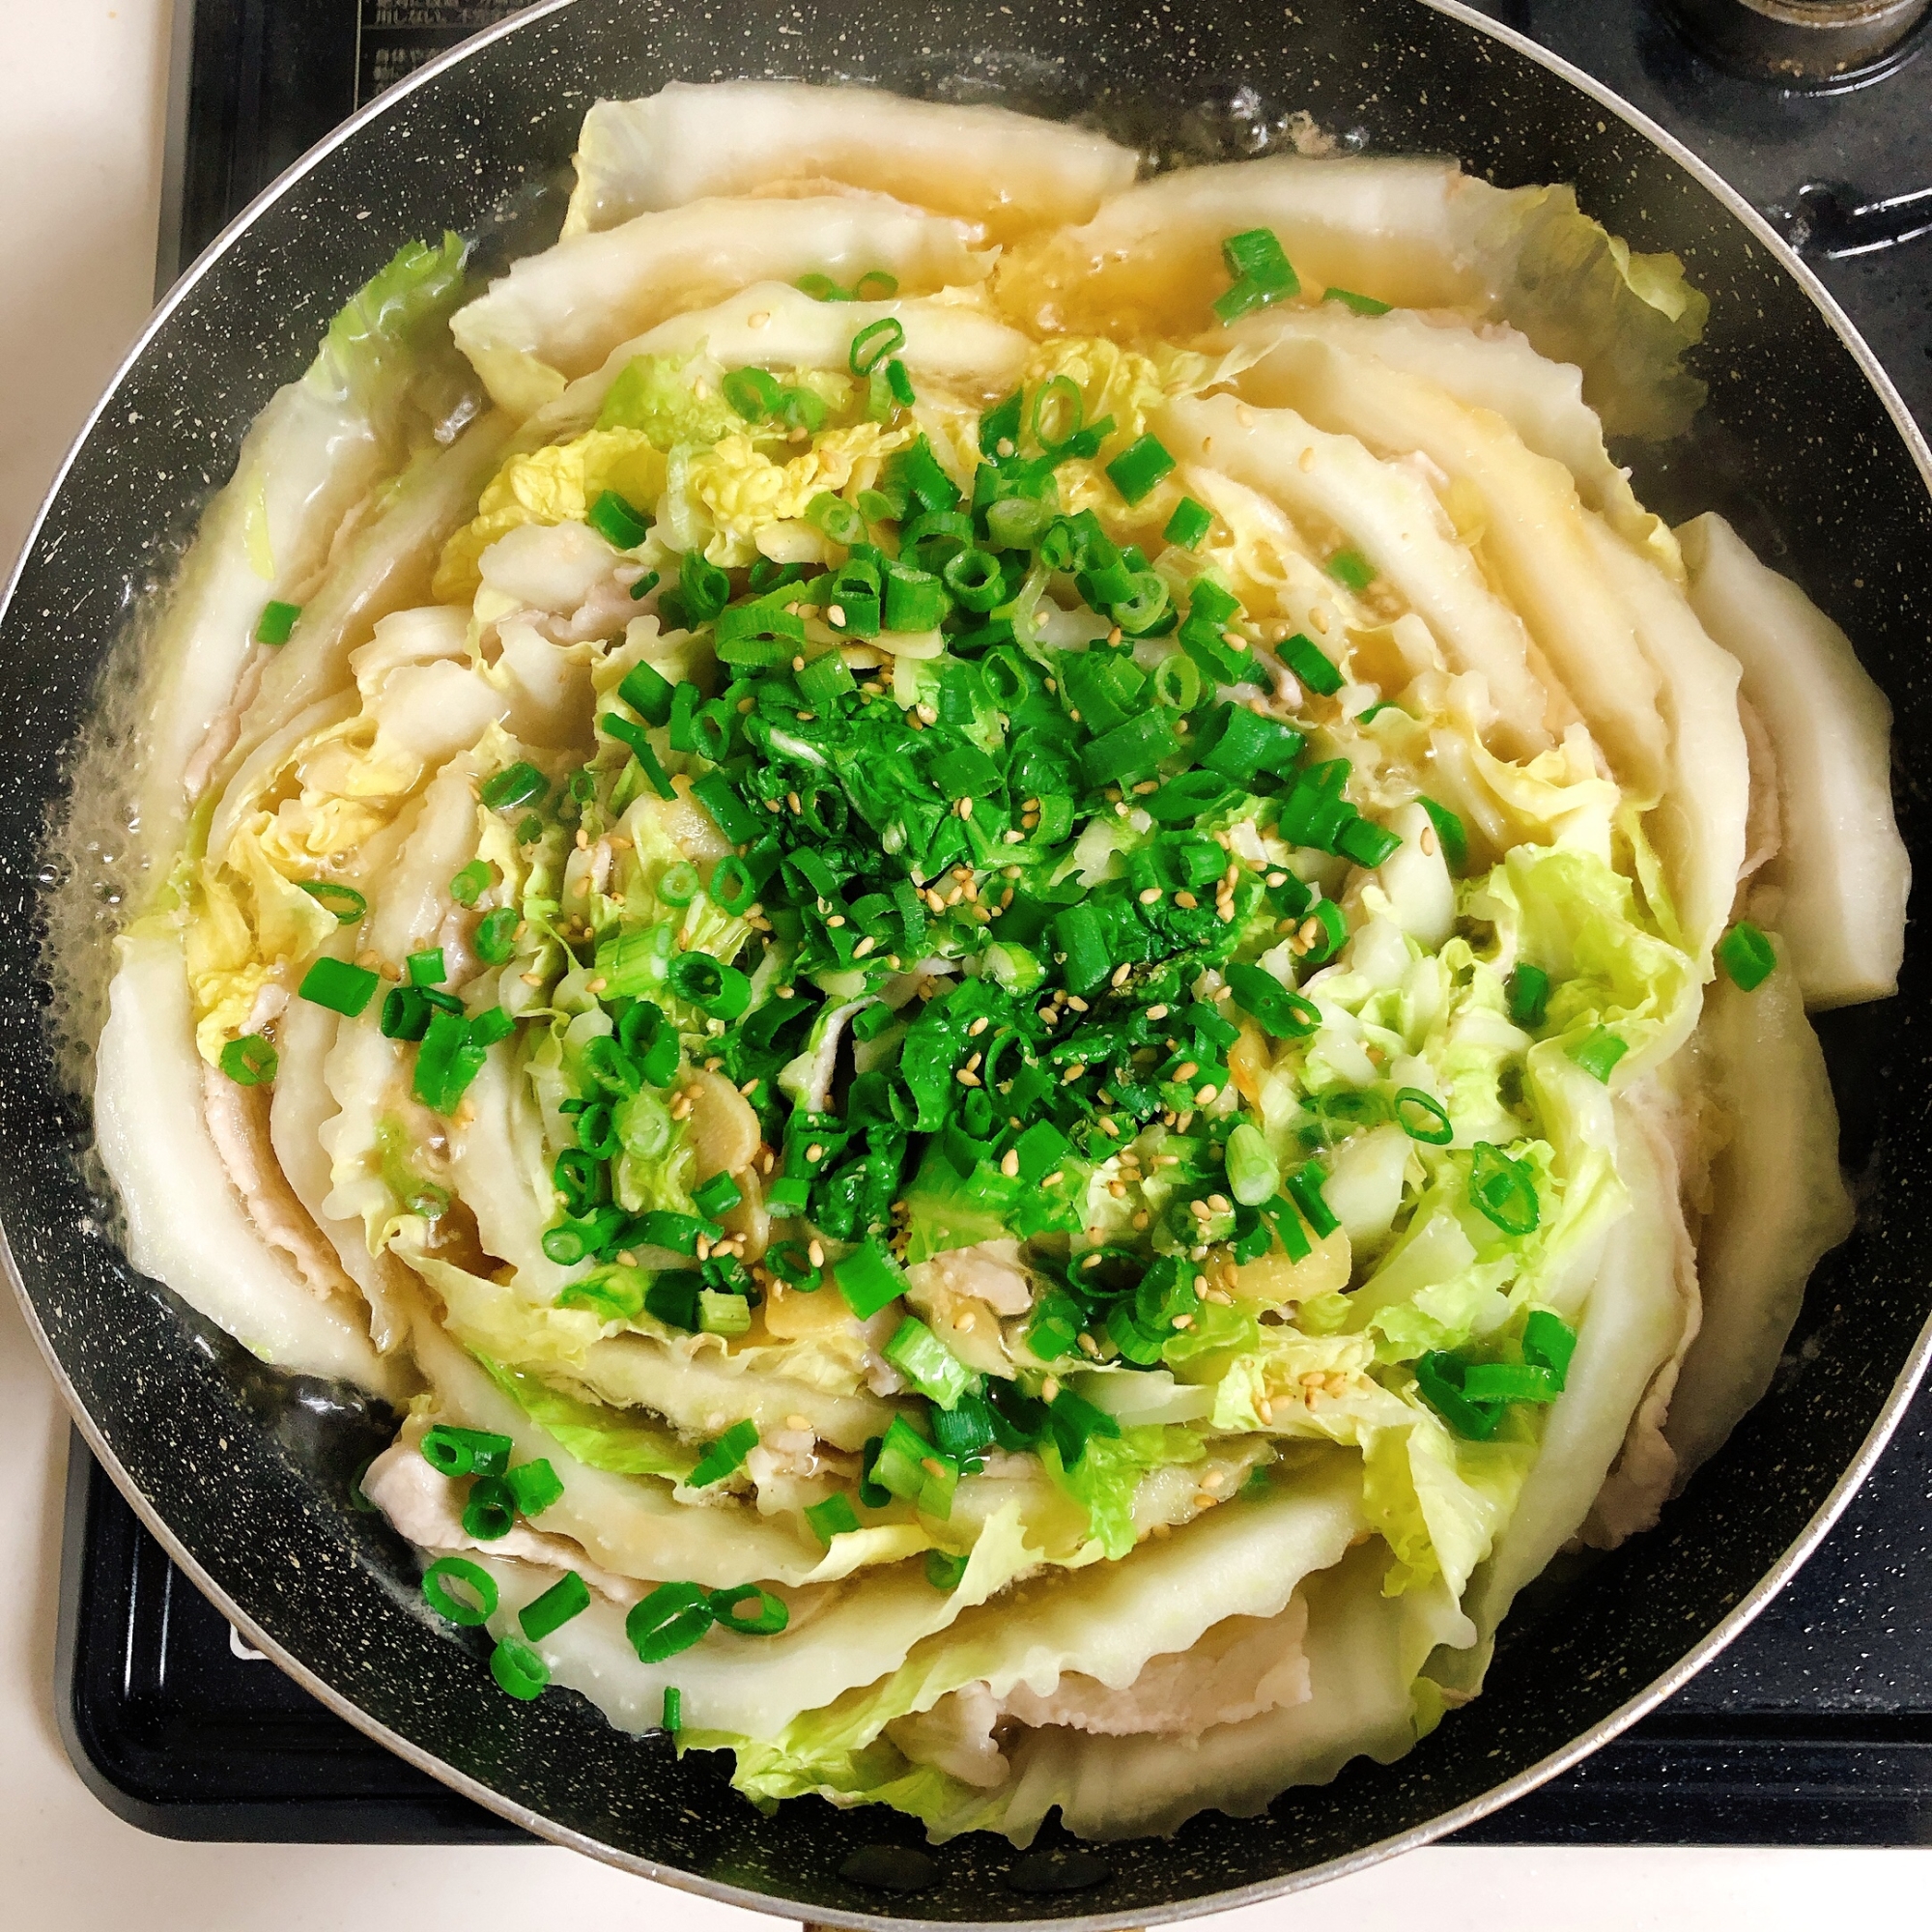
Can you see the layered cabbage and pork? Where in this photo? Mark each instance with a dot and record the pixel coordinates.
(1031, 974)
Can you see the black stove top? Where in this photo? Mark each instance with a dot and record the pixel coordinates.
(1815, 1727)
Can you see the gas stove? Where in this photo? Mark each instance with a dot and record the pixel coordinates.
(1815, 1727)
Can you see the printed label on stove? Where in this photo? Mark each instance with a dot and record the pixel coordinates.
(393, 38)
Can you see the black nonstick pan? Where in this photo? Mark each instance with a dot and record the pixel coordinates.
(245, 1474)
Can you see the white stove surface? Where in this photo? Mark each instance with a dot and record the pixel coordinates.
(81, 91)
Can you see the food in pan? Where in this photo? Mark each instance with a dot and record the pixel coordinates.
(1005, 936)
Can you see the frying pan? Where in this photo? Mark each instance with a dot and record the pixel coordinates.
(244, 1474)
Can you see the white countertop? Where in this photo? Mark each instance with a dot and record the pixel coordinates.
(81, 88)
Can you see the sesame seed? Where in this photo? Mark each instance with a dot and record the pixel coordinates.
(1073, 1073)
(1092, 1261)
(863, 946)
(1151, 896)
(979, 1027)
(966, 1078)
(815, 1152)
(815, 1254)
(1186, 899)
(1186, 1070)
(1010, 1164)
(1206, 1094)
(1220, 1204)
(835, 616)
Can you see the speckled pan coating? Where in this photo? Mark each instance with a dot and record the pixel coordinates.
(246, 1475)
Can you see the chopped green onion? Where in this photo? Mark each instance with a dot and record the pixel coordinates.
(467, 887)
(868, 1278)
(680, 884)
(717, 1197)
(449, 1058)
(1350, 569)
(518, 1669)
(873, 343)
(651, 1041)
(344, 902)
(673, 1709)
(1311, 664)
(752, 394)
(944, 1569)
(1282, 1013)
(649, 693)
(1449, 830)
(915, 599)
(720, 1312)
(1334, 924)
(1001, 424)
(1503, 1189)
(426, 968)
(339, 986)
(1189, 524)
(1439, 1378)
(495, 940)
(975, 579)
(405, 1014)
(801, 409)
(621, 525)
(1139, 468)
(491, 1511)
(642, 587)
(834, 1517)
(1746, 956)
(927, 1363)
(1361, 305)
(1176, 682)
(473, 1577)
(521, 783)
(725, 1455)
(250, 1061)
(1254, 1174)
(1304, 1188)
(1509, 1381)
(1142, 612)
(568, 1597)
(1015, 523)
(1039, 1151)
(535, 1486)
(466, 1452)
(672, 1618)
(1130, 751)
(276, 623)
(705, 588)
(1367, 843)
(1057, 404)
(1422, 1117)
(1598, 1052)
(1548, 1342)
(832, 514)
(914, 1470)
(709, 984)
(720, 797)
(1528, 989)
(1256, 254)
(767, 1619)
